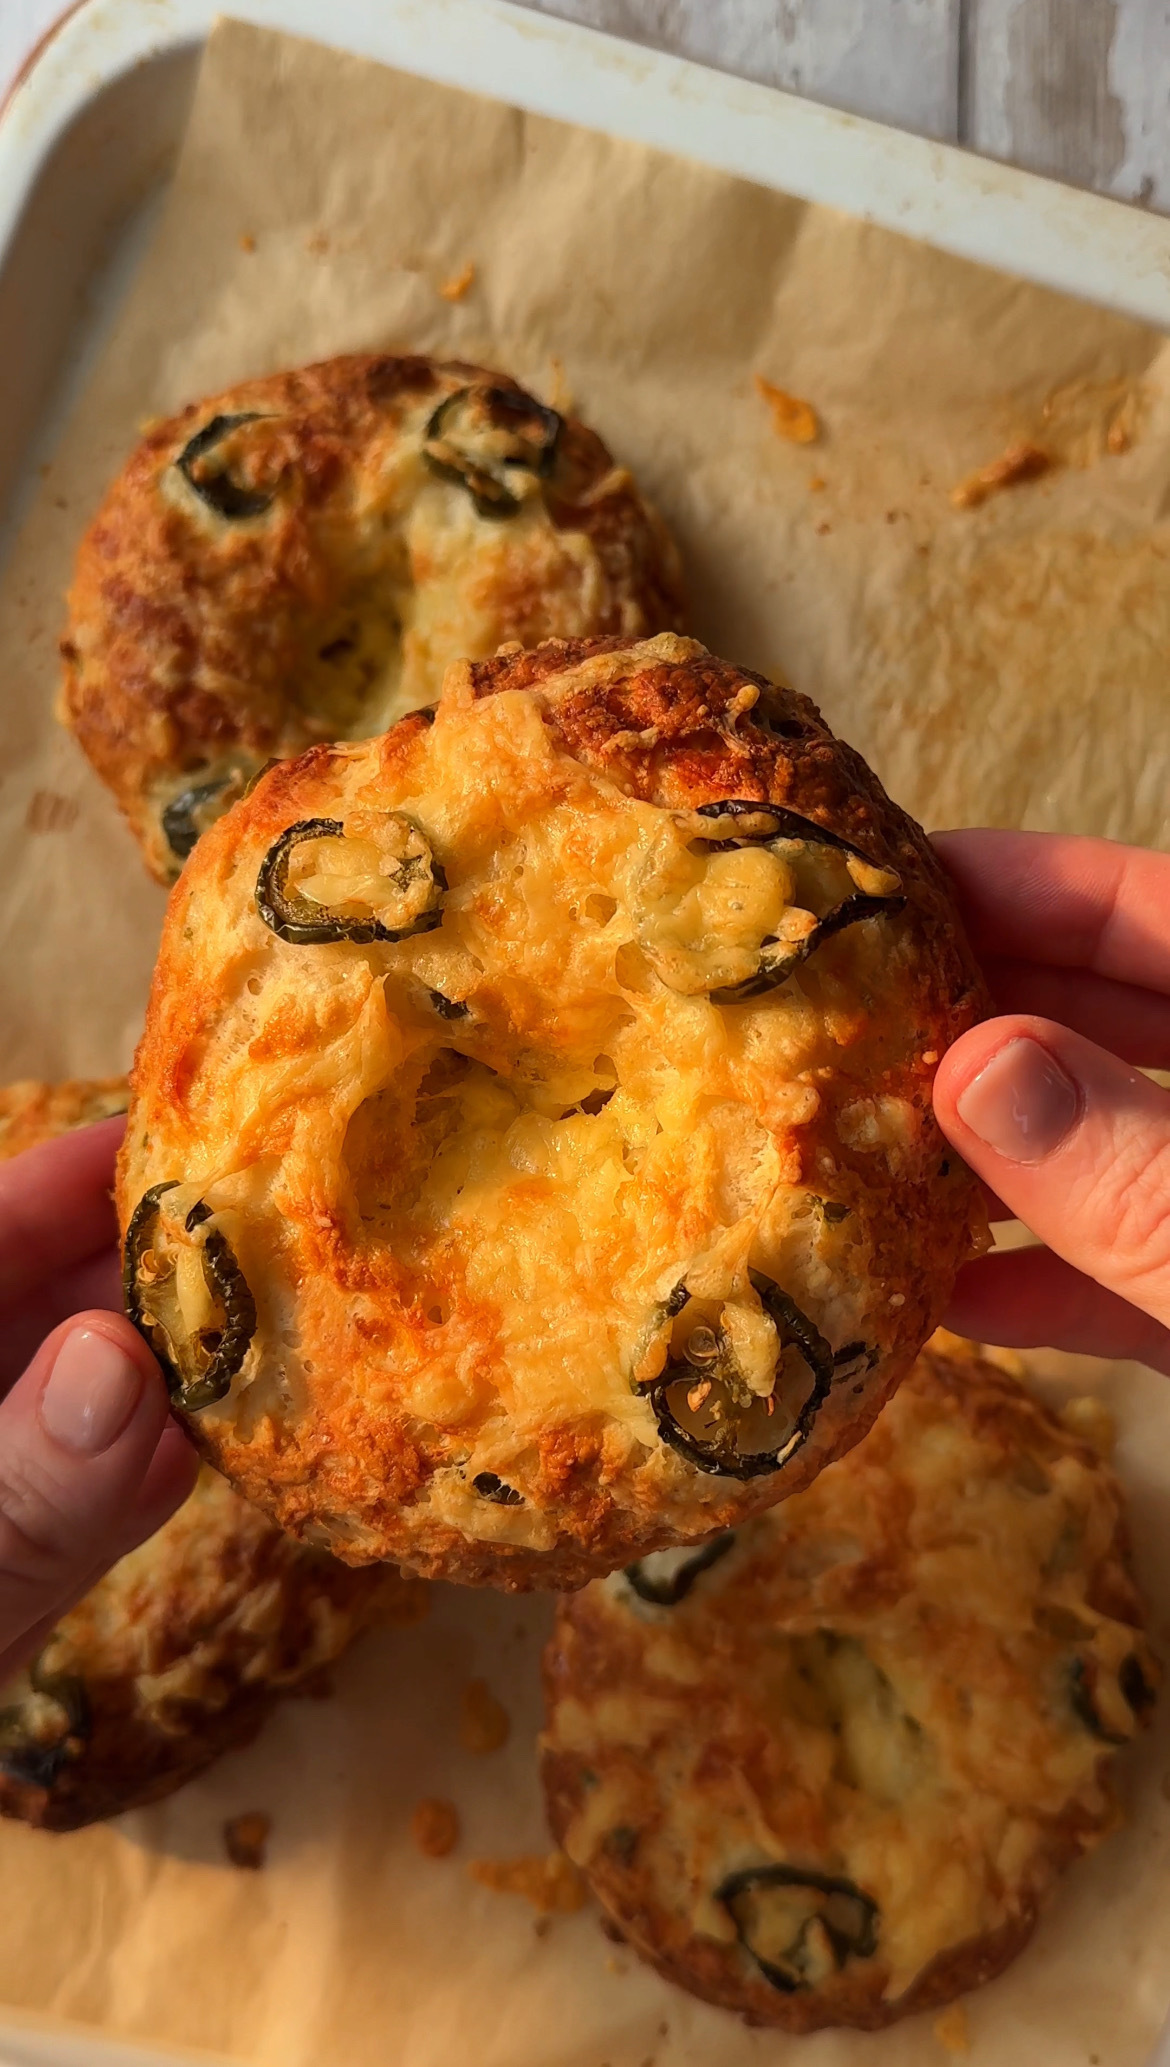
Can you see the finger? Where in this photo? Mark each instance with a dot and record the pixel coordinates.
(1131, 1022)
(1070, 902)
(1031, 1299)
(78, 1433)
(1075, 1142)
(97, 1282)
(55, 1206)
(169, 1479)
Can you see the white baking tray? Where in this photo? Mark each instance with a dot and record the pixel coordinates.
(90, 131)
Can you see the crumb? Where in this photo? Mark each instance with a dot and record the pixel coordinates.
(318, 243)
(1018, 463)
(457, 286)
(551, 1883)
(791, 418)
(615, 1966)
(561, 396)
(951, 2029)
(664, 2029)
(59, 503)
(924, 548)
(247, 241)
(1091, 1420)
(892, 516)
(483, 1724)
(45, 469)
(434, 1827)
(822, 530)
(611, 1930)
(49, 813)
(246, 1838)
(541, 1926)
(815, 483)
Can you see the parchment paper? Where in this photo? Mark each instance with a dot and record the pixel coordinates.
(1002, 664)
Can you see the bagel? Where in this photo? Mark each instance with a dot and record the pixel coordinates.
(299, 557)
(183, 1647)
(32, 1111)
(531, 1159)
(177, 1655)
(826, 1769)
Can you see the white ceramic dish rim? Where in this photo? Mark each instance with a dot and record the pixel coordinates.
(1074, 242)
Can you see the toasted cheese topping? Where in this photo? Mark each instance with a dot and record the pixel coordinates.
(435, 1049)
(899, 1689)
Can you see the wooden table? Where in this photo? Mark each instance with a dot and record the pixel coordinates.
(1075, 88)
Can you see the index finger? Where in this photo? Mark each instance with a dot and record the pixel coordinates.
(1065, 901)
(55, 1206)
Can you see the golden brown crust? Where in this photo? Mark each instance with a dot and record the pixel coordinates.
(200, 643)
(32, 1111)
(444, 1320)
(890, 1681)
(177, 1655)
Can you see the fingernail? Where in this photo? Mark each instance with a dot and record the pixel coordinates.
(1022, 1103)
(92, 1391)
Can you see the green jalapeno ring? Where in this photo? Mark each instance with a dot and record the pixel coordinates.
(220, 493)
(179, 820)
(35, 1764)
(771, 974)
(302, 923)
(229, 1345)
(848, 1917)
(791, 1325)
(491, 496)
(491, 1487)
(667, 1592)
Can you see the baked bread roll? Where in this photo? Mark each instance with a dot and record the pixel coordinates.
(180, 1651)
(300, 557)
(826, 1769)
(176, 1655)
(32, 1111)
(531, 1160)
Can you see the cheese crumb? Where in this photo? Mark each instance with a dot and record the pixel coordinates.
(952, 2030)
(458, 285)
(1018, 463)
(791, 418)
(483, 1724)
(551, 1883)
(434, 1827)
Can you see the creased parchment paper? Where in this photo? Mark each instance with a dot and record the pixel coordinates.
(1003, 663)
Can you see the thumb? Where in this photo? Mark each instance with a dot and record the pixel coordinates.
(78, 1433)
(1075, 1143)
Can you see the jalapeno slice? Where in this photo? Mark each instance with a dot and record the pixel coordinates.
(798, 1926)
(665, 1577)
(1111, 1707)
(707, 1411)
(199, 1366)
(217, 489)
(189, 814)
(490, 1487)
(26, 1754)
(793, 904)
(477, 433)
(415, 888)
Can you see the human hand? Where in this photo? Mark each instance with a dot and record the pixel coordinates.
(1074, 935)
(90, 1462)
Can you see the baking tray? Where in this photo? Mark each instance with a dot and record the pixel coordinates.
(91, 128)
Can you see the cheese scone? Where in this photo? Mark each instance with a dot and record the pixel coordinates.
(826, 1769)
(531, 1159)
(32, 1111)
(177, 1655)
(299, 558)
(182, 1648)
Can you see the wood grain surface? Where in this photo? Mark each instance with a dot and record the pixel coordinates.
(1074, 88)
